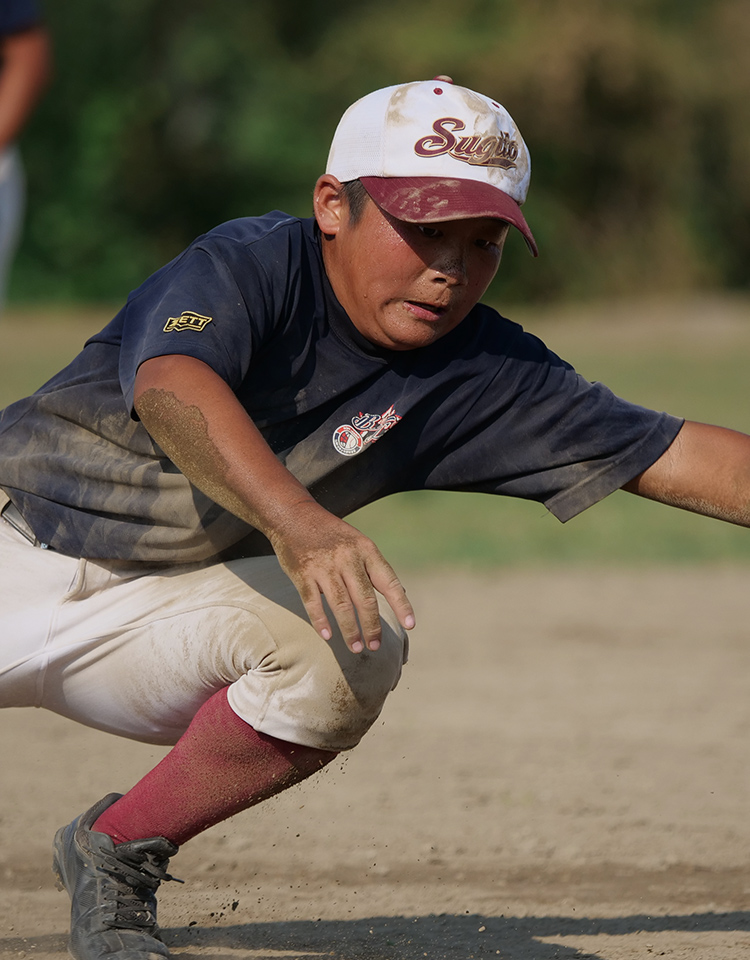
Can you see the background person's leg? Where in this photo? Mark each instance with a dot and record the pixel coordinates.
(12, 207)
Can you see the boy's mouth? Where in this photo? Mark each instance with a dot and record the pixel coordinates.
(425, 311)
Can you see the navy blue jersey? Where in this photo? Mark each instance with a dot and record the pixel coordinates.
(18, 15)
(486, 408)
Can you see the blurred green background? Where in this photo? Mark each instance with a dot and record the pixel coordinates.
(165, 118)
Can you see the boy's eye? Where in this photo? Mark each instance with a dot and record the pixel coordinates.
(495, 240)
(427, 231)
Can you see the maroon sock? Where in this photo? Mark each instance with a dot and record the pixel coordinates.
(219, 766)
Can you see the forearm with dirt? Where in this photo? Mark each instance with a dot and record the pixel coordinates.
(198, 422)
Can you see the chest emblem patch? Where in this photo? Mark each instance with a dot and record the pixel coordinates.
(351, 438)
(187, 320)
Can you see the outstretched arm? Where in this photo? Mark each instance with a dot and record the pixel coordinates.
(198, 422)
(705, 470)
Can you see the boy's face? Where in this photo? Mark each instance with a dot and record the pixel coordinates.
(405, 285)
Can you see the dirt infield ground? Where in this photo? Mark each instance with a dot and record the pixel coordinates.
(563, 772)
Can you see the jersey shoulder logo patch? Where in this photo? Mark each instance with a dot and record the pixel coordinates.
(351, 438)
(187, 320)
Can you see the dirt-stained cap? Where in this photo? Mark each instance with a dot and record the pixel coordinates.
(431, 150)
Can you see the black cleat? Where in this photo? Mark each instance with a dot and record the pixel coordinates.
(112, 889)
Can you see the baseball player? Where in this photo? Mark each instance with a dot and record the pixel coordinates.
(24, 72)
(175, 566)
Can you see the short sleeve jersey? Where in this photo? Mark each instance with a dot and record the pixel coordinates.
(486, 408)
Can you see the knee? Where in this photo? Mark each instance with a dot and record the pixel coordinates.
(354, 695)
(326, 696)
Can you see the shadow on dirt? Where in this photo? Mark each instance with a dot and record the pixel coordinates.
(444, 937)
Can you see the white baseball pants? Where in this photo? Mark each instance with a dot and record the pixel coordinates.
(137, 652)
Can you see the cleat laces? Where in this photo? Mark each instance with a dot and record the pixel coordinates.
(132, 887)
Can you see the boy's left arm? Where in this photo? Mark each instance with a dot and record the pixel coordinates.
(706, 470)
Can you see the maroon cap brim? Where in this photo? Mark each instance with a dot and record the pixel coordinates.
(430, 199)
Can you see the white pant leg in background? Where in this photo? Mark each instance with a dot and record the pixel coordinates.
(12, 208)
(137, 654)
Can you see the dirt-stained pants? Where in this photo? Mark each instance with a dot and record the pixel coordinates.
(135, 651)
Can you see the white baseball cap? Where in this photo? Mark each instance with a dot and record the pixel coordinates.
(431, 150)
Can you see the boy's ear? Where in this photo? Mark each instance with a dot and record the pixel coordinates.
(329, 204)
